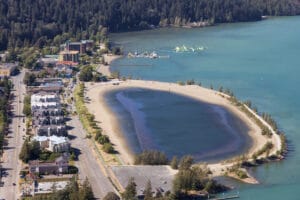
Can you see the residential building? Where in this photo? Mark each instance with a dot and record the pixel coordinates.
(44, 101)
(3, 57)
(59, 166)
(68, 55)
(49, 130)
(48, 60)
(7, 69)
(44, 98)
(47, 112)
(46, 86)
(47, 120)
(81, 46)
(66, 68)
(53, 143)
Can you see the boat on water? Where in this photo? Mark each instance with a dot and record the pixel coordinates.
(152, 55)
(184, 48)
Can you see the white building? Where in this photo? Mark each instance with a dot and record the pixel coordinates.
(53, 143)
(44, 101)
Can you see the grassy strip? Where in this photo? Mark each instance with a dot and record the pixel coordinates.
(88, 120)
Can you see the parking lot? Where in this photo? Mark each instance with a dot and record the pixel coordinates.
(160, 176)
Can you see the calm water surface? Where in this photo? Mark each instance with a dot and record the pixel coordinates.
(178, 125)
(259, 61)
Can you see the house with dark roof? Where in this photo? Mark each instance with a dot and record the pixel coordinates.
(59, 166)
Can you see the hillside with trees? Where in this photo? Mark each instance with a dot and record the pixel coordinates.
(41, 22)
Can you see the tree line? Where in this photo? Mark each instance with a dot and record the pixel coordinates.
(27, 22)
(5, 90)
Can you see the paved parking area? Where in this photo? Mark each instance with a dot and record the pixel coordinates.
(160, 176)
(47, 187)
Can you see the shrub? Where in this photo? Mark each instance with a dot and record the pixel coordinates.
(151, 157)
(108, 148)
(103, 139)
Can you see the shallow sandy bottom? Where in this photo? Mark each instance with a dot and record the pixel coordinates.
(109, 124)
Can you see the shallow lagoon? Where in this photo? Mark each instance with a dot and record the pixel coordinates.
(177, 125)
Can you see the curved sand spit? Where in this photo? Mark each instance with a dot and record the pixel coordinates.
(102, 113)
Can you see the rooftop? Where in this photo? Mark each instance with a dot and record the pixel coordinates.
(71, 63)
(8, 65)
(68, 52)
(44, 98)
(54, 139)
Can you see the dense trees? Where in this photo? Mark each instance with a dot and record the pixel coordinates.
(73, 191)
(5, 91)
(27, 106)
(87, 73)
(29, 79)
(30, 151)
(26, 22)
(174, 163)
(151, 157)
(130, 190)
(193, 178)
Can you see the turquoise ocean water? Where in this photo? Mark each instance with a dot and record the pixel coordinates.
(259, 61)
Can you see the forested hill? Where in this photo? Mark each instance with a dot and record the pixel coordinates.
(29, 21)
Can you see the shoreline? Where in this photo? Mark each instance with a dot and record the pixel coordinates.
(105, 69)
(95, 93)
(110, 125)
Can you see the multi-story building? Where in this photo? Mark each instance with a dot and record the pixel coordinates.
(69, 55)
(49, 130)
(81, 46)
(7, 69)
(44, 101)
(47, 120)
(53, 143)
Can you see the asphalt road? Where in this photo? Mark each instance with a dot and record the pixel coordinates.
(88, 164)
(11, 164)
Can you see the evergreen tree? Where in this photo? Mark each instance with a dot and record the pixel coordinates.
(130, 190)
(148, 191)
(25, 152)
(111, 196)
(86, 192)
(186, 162)
(174, 163)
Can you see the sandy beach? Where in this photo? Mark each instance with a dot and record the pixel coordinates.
(109, 123)
(104, 69)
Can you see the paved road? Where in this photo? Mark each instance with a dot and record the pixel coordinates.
(88, 163)
(11, 164)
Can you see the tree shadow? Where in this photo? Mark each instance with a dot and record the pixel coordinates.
(76, 152)
(7, 148)
(72, 137)
(69, 127)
